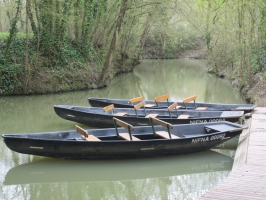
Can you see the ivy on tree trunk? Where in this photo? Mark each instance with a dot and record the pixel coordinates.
(13, 30)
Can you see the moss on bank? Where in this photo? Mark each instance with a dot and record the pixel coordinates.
(73, 69)
(56, 80)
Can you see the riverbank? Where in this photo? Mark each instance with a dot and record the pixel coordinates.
(256, 94)
(65, 79)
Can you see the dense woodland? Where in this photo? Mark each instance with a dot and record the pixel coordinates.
(51, 46)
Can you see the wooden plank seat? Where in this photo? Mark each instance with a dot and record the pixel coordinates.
(140, 99)
(201, 108)
(163, 134)
(126, 136)
(193, 98)
(150, 105)
(85, 134)
(120, 114)
(183, 116)
(111, 107)
(140, 105)
(152, 115)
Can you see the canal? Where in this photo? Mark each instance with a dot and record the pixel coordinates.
(173, 177)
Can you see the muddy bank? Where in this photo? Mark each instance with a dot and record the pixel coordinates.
(255, 94)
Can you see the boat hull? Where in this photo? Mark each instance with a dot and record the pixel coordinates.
(83, 115)
(124, 103)
(110, 150)
(69, 144)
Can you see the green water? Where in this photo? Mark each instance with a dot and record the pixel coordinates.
(176, 177)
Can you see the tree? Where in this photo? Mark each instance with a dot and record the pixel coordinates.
(112, 48)
(13, 30)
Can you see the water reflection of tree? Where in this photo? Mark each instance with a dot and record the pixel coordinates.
(183, 78)
(189, 186)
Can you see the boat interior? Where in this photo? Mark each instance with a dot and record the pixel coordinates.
(124, 131)
(167, 113)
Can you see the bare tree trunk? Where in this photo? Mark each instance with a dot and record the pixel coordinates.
(144, 33)
(26, 66)
(208, 32)
(33, 26)
(163, 40)
(112, 48)
(240, 24)
(38, 33)
(262, 37)
(76, 22)
(250, 42)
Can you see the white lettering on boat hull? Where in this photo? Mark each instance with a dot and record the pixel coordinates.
(209, 138)
(198, 121)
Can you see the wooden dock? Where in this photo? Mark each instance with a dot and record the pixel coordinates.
(248, 177)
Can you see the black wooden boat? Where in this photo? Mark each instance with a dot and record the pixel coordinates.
(163, 102)
(113, 143)
(54, 170)
(102, 117)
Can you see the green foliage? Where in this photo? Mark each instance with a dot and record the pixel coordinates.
(218, 2)
(11, 76)
(263, 60)
(19, 35)
(89, 15)
(77, 34)
(4, 35)
(254, 65)
(258, 61)
(13, 29)
(222, 57)
(71, 54)
(185, 39)
(11, 73)
(49, 45)
(17, 52)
